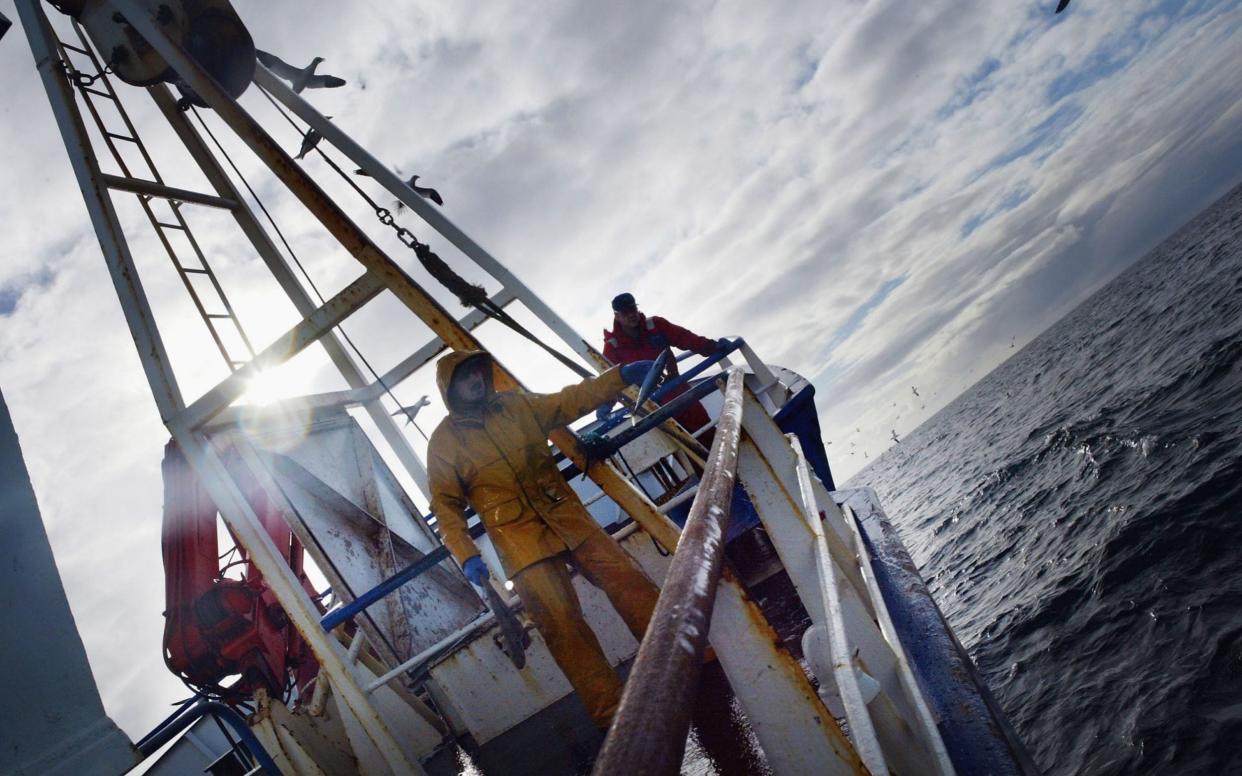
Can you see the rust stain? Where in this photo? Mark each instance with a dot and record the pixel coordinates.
(786, 663)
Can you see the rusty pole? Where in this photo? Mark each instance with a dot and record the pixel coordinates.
(648, 734)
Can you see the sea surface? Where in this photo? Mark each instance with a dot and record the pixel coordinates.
(1077, 512)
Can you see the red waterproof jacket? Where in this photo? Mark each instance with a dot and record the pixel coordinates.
(655, 335)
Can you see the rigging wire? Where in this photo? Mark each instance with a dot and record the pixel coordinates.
(469, 294)
(289, 249)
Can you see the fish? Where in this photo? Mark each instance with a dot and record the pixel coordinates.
(309, 141)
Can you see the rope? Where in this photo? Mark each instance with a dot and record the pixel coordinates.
(469, 294)
(409, 417)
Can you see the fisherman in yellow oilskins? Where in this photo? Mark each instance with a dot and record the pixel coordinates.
(491, 453)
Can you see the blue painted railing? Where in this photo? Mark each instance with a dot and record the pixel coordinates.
(189, 713)
(609, 446)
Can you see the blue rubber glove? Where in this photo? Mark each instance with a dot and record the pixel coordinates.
(634, 373)
(476, 570)
(604, 411)
(724, 343)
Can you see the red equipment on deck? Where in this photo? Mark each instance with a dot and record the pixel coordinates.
(215, 626)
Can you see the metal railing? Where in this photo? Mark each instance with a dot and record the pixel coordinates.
(648, 734)
(193, 710)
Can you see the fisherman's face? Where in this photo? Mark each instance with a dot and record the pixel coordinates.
(470, 383)
(630, 318)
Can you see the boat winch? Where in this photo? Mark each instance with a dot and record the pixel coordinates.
(210, 30)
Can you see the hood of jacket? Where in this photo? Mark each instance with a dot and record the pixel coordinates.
(448, 366)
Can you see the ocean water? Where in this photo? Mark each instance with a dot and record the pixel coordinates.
(1078, 517)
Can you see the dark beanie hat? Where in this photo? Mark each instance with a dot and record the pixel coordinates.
(623, 302)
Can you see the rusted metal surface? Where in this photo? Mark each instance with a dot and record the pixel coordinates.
(837, 659)
(648, 734)
(288, 345)
(369, 729)
(435, 217)
(159, 190)
(283, 273)
(358, 531)
(300, 184)
(800, 735)
(103, 215)
(360, 246)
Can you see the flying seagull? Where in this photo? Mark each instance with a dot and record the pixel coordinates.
(422, 191)
(916, 390)
(895, 438)
(299, 77)
(1061, 5)
(425, 192)
(412, 410)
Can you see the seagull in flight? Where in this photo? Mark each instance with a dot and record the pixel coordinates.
(412, 410)
(299, 78)
(895, 438)
(422, 191)
(915, 390)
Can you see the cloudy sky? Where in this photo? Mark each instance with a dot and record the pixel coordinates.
(877, 193)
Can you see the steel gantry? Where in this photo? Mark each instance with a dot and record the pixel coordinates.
(816, 542)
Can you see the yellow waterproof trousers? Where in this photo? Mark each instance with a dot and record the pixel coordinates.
(550, 600)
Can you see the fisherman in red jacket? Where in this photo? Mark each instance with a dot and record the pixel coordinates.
(637, 337)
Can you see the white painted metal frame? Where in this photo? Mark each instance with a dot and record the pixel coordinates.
(768, 469)
(790, 720)
(843, 668)
(434, 217)
(231, 503)
(770, 686)
(926, 718)
(301, 300)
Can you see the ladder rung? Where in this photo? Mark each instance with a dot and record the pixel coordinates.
(115, 136)
(224, 316)
(195, 270)
(170, 226)
(98, 93)
(72, 47)
(157, 189)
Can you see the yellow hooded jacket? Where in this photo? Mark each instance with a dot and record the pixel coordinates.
(497, 460)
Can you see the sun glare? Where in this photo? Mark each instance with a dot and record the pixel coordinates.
(267, 388)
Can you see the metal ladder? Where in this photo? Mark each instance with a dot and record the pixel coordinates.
(216, 311)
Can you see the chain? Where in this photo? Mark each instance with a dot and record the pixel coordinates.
(80, 79)
(469, 294)
(406, 237)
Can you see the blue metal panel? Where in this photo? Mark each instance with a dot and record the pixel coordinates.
(744, 517)
(799, 417)
(976, 734)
